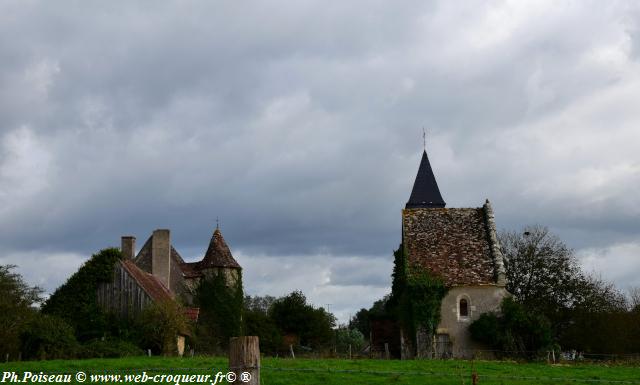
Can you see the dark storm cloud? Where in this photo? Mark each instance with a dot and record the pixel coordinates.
(298, 124)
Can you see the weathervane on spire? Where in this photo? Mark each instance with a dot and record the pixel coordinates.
(424, 139)
(217, 224)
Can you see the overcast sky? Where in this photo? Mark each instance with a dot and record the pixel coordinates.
(299, 125)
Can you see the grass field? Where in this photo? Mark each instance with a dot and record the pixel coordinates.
(347, 372)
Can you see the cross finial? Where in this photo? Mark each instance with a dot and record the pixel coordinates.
(424, 139)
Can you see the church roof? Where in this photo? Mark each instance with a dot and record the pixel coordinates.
(458, 245)
(425, 193)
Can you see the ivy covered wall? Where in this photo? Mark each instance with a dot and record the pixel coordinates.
(416, 297)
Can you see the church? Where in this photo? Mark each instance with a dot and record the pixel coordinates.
(459, 246)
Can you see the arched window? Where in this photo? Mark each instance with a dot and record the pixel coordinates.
(464, 307)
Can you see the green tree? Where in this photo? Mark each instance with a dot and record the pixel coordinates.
(634, 299)
(392, 302)
(362, 322)
(17, 301)
(258, 323)
(292, 315)
(600, 321)
(346, 337)
(542, 272)
(161, 323)
(544, 275)
(258, 303)
(221, 305)
(48, 337)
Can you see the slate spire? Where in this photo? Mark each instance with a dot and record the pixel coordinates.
(425, 193)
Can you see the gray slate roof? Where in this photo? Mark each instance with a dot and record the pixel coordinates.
(425, 193)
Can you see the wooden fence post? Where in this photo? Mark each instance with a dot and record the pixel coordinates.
(387, 355)
(293, 355)
(244, 359)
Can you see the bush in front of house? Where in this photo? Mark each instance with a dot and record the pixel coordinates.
(160, 323)
(513, 331)
(109, 348)
(47, 337)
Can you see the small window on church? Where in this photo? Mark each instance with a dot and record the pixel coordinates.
(464, 307)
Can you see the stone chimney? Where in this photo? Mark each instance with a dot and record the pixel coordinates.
(161, 255)
(128, 246)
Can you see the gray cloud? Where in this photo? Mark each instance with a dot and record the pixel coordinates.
(298, 124)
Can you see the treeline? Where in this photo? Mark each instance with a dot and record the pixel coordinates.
(289, 320)
(71, 324)
(556, 304)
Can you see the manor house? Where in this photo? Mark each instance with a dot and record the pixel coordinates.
(158, 273)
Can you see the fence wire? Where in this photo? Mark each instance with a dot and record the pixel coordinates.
(461, 372)
(457, 375)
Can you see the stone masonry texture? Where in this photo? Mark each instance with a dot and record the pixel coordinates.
(452, 243)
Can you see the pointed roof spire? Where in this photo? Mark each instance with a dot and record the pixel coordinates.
(218, 253)
(425, 193)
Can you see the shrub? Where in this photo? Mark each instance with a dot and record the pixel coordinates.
(515, 331)
(48, 337)
(110, 348)
(346, 337)
(161, 323)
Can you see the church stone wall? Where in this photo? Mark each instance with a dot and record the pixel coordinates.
(481, 299)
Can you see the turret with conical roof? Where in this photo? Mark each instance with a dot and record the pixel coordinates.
(218, 253)
(425, 193)
(217, 260)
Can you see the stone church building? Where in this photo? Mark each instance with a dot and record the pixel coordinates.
(460, 246)
(158, 273)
